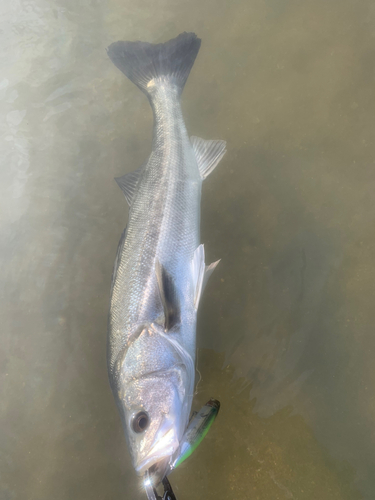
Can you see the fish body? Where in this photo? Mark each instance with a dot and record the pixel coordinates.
(159, 271)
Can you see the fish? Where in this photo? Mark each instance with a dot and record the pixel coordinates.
(159, 272)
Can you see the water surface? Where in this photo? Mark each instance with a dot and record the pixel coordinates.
(285, 335)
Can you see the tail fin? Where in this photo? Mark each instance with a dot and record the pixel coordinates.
(141, 61)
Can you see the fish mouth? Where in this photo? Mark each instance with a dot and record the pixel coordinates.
(159, 456)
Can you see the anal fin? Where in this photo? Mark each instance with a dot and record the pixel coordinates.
(207, 153)
(200, 273)
(128, 183)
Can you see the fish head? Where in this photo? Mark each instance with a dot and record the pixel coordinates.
(155, 411)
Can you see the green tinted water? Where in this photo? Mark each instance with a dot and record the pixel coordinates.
(285, 329)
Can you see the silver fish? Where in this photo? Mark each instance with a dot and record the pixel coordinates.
(159, 271)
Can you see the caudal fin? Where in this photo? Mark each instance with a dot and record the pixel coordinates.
(141, 62)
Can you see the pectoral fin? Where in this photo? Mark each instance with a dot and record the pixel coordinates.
(207, 153)
(168, 296)
(200, 273)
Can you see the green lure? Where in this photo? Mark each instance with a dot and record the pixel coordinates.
(197, 429)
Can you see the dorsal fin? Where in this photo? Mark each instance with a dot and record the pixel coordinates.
(200, 273)
(207, 153)
(168, 296)
(128, 184)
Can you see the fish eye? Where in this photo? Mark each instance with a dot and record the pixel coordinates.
(140, 422)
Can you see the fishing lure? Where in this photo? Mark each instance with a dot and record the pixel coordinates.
(197, 429)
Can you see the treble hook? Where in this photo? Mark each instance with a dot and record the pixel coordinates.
(152, 494)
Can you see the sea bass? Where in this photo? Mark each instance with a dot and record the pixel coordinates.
(159, 271)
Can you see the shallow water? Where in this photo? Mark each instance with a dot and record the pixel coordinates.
(286, 323)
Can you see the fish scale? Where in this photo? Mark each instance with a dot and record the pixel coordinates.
(168, 229)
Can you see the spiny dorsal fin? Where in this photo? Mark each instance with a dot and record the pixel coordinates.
(168, 296)
(207, 153)
(200, 273)
(128, 184)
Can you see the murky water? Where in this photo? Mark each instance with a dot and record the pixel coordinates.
(285, 330)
